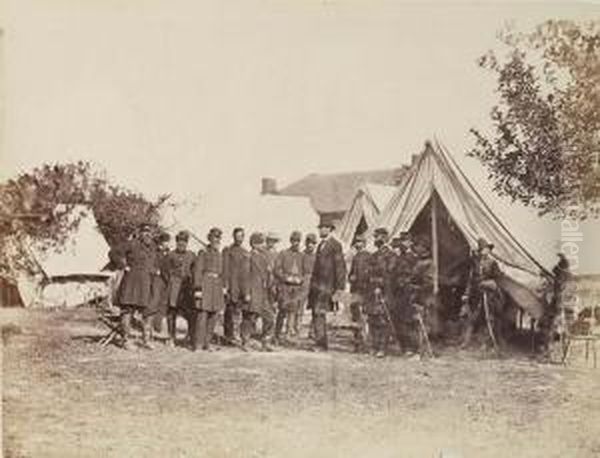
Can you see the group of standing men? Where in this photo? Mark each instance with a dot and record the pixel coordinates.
(394, 288)
(246, 285)
(391, 287)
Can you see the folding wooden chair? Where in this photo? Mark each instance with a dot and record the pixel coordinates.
(111, 318)
(581, 330)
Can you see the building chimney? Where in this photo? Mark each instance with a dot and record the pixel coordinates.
(269, 186)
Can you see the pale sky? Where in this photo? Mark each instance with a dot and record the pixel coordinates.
(206, 97)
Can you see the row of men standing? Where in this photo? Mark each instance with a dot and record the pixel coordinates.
(256, 283)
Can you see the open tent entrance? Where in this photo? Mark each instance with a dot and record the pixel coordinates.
(453, 253)
(451, 267)
(361, 228)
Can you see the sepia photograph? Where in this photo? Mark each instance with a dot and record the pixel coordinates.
(299, 228)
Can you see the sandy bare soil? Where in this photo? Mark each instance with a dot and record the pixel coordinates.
(64, 396)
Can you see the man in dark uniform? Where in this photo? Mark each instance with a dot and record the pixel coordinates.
(483, 275)
(138, 260)
(271, 251)
(403, 311)
(359, 278)
(236, 262)
(396, 244)
(180, 264)
(159, 282)
(328, 277)
(256, 303)
(561, 275)
(382, 266)
(290, 276)
(209, 291)
(308, 264)
(421, 296)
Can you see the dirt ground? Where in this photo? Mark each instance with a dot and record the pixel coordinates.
(65, 396)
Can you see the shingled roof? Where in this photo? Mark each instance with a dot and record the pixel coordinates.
(333, 193)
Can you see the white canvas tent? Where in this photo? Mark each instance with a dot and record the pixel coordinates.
(437, 200)
(369, 201)
(264, 213)
(68, 275)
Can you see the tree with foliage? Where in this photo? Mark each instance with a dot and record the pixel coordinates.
(545, 146)
(37, 206)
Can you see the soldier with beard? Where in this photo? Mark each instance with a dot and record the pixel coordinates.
(403, 311)
(483, 276)
(290, 276)
(138, 259)
(236, 262)
(180, 264)
(308, 263)
(256, 303)
(380, 296)
(209, 291)
(359, 287)
(328, 277)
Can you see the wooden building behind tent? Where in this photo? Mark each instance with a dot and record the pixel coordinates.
(331, 195)
(367, 204)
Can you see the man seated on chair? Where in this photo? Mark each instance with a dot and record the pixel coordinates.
(482, 285)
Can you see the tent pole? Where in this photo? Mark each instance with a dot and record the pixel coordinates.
(435, 245)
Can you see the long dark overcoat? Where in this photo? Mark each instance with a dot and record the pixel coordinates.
(180, 266)
(236, 262)
(158, 300)
(329, 275)
(259, 282)
(208, 278)
(140, 261)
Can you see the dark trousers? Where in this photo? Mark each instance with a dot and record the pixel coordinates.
(320, 324)
(203, 328)
(248, 326)
(230, 319)
(172, 322)
(359, 322)
(408, 333)
(283, 314)
(477, 319)
(379, 330)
